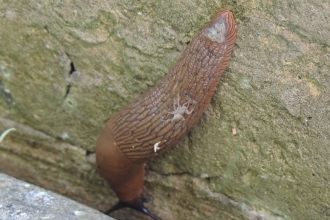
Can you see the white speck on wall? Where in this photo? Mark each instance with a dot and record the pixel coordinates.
(156, 146)
(41, 196)
(133, 146)
(26, 185)
(79, 213)
(64, 135)
(5, 72)
(204, 175)
(245, 83)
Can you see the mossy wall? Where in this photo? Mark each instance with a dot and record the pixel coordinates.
(260, 151)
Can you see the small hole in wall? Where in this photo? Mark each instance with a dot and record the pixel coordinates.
(46, 28)
(299, 77)
(88, 152)
(189, 135)
(187, 42)
(68, 87)
(91, 157)
(73, 69)
(68, 90)
(70, 103)
(31, 143)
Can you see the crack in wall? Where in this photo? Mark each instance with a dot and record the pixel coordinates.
(72, 70)
(5, 94)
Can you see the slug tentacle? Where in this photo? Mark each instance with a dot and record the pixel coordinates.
(149, 125)
(136, 204)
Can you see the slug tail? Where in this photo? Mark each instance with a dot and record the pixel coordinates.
(136, 204)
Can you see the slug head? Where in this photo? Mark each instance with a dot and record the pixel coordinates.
(136, 204)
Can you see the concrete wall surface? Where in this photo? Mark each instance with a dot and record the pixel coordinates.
(261, 150)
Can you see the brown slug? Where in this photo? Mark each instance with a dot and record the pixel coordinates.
(157, 120)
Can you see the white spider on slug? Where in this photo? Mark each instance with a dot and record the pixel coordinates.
(179, 110)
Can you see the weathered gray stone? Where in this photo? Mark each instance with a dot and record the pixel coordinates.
(66, 67)
(22, 201)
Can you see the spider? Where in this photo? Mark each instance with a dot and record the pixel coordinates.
(179, 110)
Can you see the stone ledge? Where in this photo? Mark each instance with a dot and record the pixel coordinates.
(20, 200)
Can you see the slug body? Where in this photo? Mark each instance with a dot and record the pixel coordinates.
(157, 120)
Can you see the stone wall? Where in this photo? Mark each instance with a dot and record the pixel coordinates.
(67, 66)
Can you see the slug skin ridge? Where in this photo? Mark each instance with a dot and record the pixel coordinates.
(157, 120)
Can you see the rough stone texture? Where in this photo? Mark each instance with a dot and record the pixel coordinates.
(66, 67)
(22, 201)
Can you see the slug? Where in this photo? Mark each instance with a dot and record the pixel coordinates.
(156, 121)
